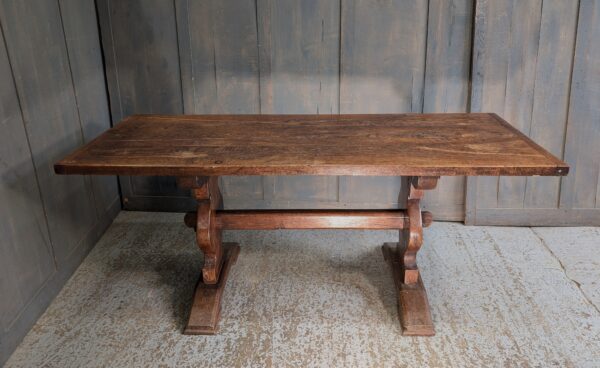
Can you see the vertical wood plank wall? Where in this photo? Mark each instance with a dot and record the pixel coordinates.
(531, 61)
(528, 60)
(52, 100)
(287, 56)
(536, 64)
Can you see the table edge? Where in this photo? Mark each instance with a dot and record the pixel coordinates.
(70, 169)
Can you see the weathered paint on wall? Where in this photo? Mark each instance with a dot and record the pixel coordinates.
(52, 99)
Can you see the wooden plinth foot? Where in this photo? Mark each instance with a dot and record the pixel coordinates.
(413, 306)
(206, 308)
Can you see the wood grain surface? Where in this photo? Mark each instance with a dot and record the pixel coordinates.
(384, 144)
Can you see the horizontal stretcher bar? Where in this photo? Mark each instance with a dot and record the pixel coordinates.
(310, 219)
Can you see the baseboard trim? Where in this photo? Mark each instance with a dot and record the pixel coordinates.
(536, 217)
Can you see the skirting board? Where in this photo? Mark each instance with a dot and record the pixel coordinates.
(534, 217)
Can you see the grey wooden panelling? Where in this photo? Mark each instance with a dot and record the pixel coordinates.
(382, 70)
(25, 239)
(522, 64)
(290, 57)
(139, 38)
(299, 74)
(447, 73)
(85, 58)
(219, 56)
(355, 56)
(219, 69)
(382, 56)
(505, 59)
(52, 99)
(551, 95)
(51, 118)
(299, 56)
(581, 189)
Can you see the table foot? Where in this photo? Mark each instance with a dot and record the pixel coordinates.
(206, 306)
(413, 306)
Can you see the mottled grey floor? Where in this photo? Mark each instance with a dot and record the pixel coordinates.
(500, 297)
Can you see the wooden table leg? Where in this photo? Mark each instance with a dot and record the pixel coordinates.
(218, 259)
(206, 307)
(413, 306)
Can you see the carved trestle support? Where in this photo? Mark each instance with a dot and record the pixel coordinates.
(218, 257)
(413, 306)
(412, 236)
(208, 236)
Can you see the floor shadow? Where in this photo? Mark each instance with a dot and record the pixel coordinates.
(378, 274)
(180, 273)
(165, 250)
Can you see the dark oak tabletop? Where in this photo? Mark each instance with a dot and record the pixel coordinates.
(389, 144)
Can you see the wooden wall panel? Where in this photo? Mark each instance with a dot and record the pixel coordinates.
(142, 68)
(521, 62)
(218, 46)
(299, 74)
(505, 60)
(551, 95)
(26, 257)
(382, 65)
(581, 189)
(85, 58)
(52, 99)
(522, 67)
(299, 56)
(507, 56)
(219, 56)
(447, 73)
(382, 56)
(49, 107)
(295, 57)
(489, 68)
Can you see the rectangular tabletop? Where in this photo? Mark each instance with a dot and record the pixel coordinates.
(383, 144)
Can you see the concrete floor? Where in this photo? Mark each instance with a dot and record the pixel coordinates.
(500, 297)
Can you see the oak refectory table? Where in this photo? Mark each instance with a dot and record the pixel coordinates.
(422, 147)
